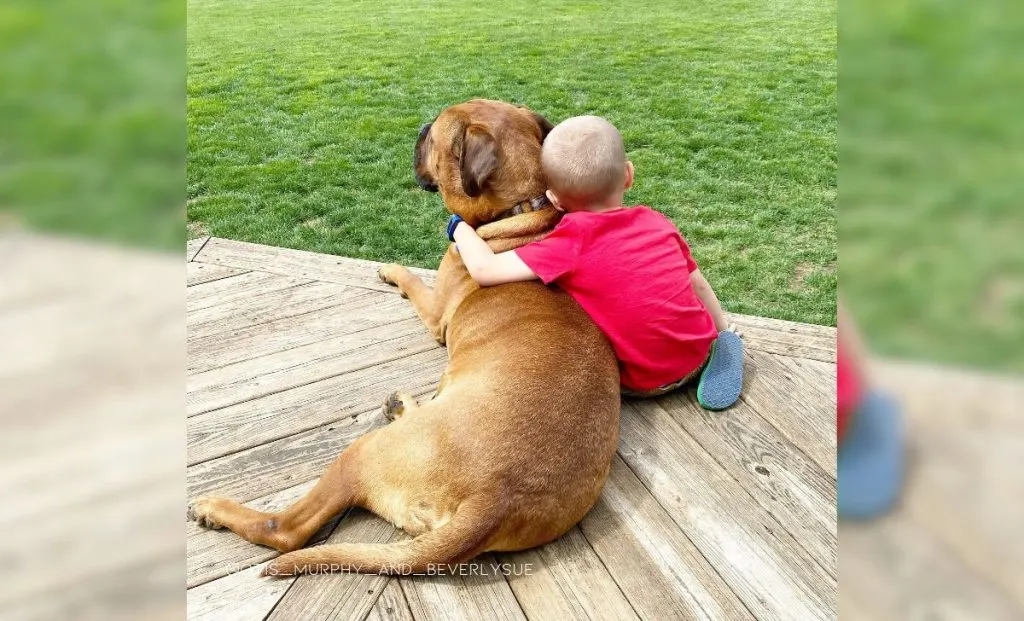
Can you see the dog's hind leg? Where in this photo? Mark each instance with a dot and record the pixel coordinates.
(398, 404)
(466, 535)
(338, 489)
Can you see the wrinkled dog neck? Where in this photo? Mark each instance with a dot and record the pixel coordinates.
(520, 230)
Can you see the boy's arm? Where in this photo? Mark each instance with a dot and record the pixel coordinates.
(484, 266)
(852, 344)
(710, 300)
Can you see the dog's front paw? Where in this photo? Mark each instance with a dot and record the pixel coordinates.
(387, 274)
(203, 511)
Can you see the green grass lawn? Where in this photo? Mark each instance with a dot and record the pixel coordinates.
(91, 136)
(932, 179)
(302, 117)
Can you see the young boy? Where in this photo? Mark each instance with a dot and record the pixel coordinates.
(629, 268)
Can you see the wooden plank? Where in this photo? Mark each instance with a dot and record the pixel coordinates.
(477, 590)
(793, 351)
(135, 494)
(243, 288)
(895, 569)
(360, 272)
(342, 595)
(276, 465)
(805, 416)
(826, 343)
(953, 396)
(286, 413)
(656, 566)
(953, 535)
(966, 489)
(771, 574)
(260, 307)
(328, 268)
(30, 270)
(31, 277)
(199, 273)
(294, 326)
(813, 374)
(565, 579)
(256, 377)
(851, 609)
(305, 454)
(788, 344)
(91, 433)
(193, 247)
(783, 480)
(273, 466)
(391, 606)
(781, 325)
(965, 431)
(788, 338)
(240, 596)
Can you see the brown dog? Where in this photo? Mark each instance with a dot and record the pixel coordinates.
(514, 447)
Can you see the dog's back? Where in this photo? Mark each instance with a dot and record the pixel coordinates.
(540, 388)
(532, 420)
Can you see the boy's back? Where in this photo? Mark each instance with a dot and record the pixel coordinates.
(629, 269)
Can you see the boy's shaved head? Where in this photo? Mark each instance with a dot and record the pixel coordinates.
(584, 159)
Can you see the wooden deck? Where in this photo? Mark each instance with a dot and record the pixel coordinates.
(712, 516)
(952, 548)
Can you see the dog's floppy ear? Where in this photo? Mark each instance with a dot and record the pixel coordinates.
(544, 124)
(479, 159)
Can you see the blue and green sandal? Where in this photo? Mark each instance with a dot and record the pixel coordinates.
(722, 379)
(871, 461)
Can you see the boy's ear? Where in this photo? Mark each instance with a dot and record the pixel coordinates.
(629, 175)
(479, 159)
(554, 200)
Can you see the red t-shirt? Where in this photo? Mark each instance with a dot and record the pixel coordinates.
(630, 270)
(848, 389)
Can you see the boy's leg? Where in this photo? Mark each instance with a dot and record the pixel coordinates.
(649, 394)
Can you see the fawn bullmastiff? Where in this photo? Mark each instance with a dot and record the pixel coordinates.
(516, 443)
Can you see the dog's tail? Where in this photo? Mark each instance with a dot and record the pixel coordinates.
(465, 536)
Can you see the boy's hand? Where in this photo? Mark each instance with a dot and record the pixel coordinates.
(732, 328)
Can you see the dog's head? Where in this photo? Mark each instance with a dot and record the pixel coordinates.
(483, 157)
